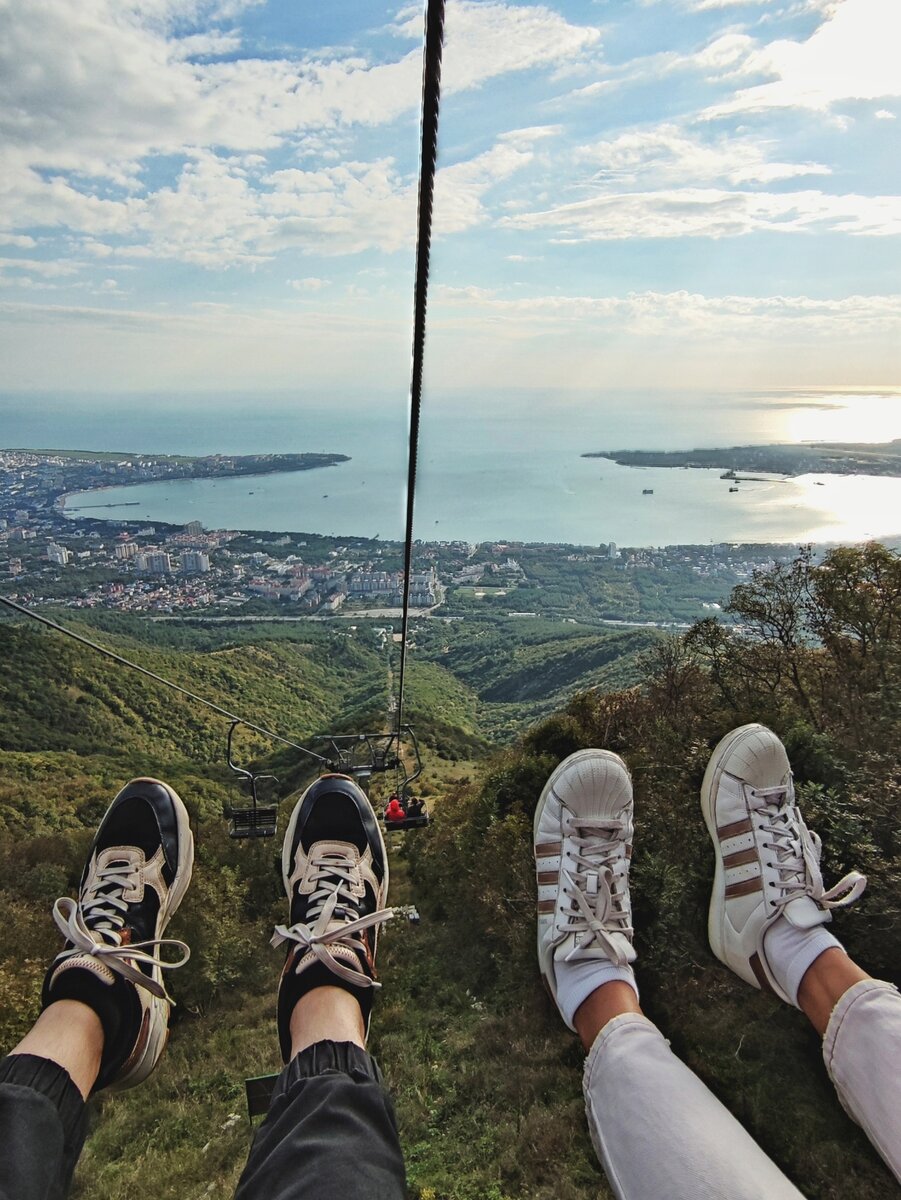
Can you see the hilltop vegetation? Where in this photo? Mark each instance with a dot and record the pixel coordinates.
(486, 1079)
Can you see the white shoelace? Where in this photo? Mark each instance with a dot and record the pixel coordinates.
(333, 874)
(95, 926)
(797, 851)
(596, 888)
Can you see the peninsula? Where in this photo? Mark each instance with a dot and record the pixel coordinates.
(822, 458)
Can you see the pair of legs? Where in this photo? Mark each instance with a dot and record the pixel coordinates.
(657, 1129)
(330, 1130)
(823, 985)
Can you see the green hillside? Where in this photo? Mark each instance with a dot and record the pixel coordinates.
(486, 1079)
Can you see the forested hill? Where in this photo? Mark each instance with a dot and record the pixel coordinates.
(487, 1080)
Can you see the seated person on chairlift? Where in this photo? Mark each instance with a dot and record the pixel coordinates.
(395, 811)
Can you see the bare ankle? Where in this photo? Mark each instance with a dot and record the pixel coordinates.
(326, 1014)
(825, 982)
(606, 1002)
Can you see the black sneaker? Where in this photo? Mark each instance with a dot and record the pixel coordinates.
(136, 875)
(335, 870)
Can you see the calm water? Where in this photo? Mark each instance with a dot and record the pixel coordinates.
(511, 469)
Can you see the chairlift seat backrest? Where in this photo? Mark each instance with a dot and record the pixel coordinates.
(253, 822)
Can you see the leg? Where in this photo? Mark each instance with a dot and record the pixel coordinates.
(656, 1128)
(330, 1131)
(768, 914)
(105, 1013)
(862, 1052)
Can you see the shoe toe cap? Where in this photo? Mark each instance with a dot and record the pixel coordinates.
(757, 757)
(594, 783)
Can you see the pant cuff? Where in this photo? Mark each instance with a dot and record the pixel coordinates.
(51, 1080)
(328, 1058)
(856, 992)
(623, 1021)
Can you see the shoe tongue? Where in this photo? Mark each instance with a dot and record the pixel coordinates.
(804, 913)
(566, 952)
(335, 818)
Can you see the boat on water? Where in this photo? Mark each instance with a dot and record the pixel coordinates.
(647, 491)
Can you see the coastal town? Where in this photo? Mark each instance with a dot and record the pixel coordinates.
(49, 556)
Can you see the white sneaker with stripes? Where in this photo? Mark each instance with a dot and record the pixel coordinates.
(583, 842)
(767, 860)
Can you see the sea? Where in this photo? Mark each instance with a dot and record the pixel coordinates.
(507, 467)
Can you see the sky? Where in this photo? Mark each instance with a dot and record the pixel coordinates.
(220, 195)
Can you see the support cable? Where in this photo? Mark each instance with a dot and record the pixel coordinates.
(431, 95)
(126, 662)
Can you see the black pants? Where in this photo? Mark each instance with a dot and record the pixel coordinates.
(330, 1132)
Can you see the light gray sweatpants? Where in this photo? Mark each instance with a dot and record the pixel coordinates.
(661, 1135)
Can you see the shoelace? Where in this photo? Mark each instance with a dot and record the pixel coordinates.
(797, 853)
(94, 925)
(333, 875)
(594, 887)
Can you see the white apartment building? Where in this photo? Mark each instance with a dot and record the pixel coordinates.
(195, 562)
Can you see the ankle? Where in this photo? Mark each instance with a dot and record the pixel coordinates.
(824, 983)
(69, 1034)
(326, 1014)
(610, 1000)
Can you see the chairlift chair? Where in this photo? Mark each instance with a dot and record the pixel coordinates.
(362, 755)
(258, 821)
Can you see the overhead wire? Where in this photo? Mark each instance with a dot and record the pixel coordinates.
(126, 662)
(431, 96)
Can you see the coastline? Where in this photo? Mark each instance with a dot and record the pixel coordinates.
(786, 459)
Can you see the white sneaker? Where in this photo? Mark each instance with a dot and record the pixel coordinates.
(583, 836)
(767, 860)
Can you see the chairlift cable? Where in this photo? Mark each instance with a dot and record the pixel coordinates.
(126, 662)
(431, 94)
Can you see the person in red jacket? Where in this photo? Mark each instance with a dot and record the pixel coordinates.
(395, 810)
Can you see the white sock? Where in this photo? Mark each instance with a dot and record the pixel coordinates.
(790, 951)
(577, 980)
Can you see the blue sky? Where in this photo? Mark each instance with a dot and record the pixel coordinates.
(203, 195)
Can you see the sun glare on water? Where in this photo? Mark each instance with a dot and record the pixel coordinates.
(845, 417)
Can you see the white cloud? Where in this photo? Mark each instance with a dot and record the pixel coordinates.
(37, 266)
(207, 347)
(656, 312)
(851, 56)
(459, 189)
(484, 39)
(667, 153)
(73, 160)
(713, 213)
(311, 284)
(883, 114)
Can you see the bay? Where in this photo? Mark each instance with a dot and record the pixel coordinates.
(506, 467)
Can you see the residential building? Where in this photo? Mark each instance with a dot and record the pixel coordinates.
(194, 562)
(158, 562)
